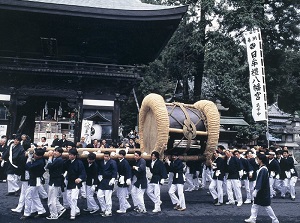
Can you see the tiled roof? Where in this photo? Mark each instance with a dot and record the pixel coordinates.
(106, 4)
(274, 111)
(278, 120)
(233, 121)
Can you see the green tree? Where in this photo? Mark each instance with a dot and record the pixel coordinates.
(208, 48)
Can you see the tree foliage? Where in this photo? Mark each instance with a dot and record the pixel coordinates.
(208, 48)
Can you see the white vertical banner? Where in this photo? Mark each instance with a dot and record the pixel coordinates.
(257, 81)
(86, 130)
(3, 130)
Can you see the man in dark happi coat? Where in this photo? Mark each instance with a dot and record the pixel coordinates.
(159, 174)
(124, 181)
(35, 165)
(107, 175)
(140, 184)
(261, 192)
(176, 166)
(75, 176)
(55, 166)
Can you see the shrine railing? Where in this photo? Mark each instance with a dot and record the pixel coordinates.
(68, 67)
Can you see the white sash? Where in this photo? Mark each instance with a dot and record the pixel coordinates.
(11, 155)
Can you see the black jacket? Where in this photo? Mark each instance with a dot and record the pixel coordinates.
(75, 170)
(124, 169)
(56, 170)
(108, 171)
(158, 172)
(233, 167)
(91, 174)
(18, 155)
(140, 174)
(36, 170)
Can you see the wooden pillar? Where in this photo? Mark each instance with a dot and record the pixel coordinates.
(116, 119)
(79, 116)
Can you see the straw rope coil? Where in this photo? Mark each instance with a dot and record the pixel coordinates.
(213, 126)
(153, 124)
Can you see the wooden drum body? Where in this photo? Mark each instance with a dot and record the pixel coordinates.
(168, 127)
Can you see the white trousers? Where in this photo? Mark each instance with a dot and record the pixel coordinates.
(42, 192)
(72, 196)
(269, 210)
(278, 184)
(83, 190)
(284, 187)
(224, 186)
(180, 200)
(251, 186)
(122, 193)
(66, 203)
(104, 198)
(90, 200)
(64, 194)
(53, 201)
(216, 189)
(292, 185)
(206, 176)
(196, 180)
(13, 181)
(247, 188)
(137, 195)
(272, 186)
(32, 201)
(170, 180)
(153, 192)
(234, 185)
(189, 179)
(21, 203)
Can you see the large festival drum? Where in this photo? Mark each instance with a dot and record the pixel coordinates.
(186, 129)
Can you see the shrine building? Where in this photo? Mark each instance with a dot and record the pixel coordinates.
(65, 64)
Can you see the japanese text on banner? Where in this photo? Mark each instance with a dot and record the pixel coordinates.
(257, 75)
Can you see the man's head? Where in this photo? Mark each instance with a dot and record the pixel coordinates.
(58, 152)
(39, 153)
(278, 154)
(261, 159)
(23, 137)
(285, 153)
(175, 156)
(71, 145)
(271, 155)
(236, 153)
(248, 154)
(17, 139)
(228, 153)
(137, 155)
(73, 153)
(91, 158)
(3, 141)
(216, 154)
(220, 148)
(122, 154)
(106, 155)
(154, 155)
(43, 139)
(82, 139)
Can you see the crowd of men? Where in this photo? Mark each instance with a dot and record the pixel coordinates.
(69, 177)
